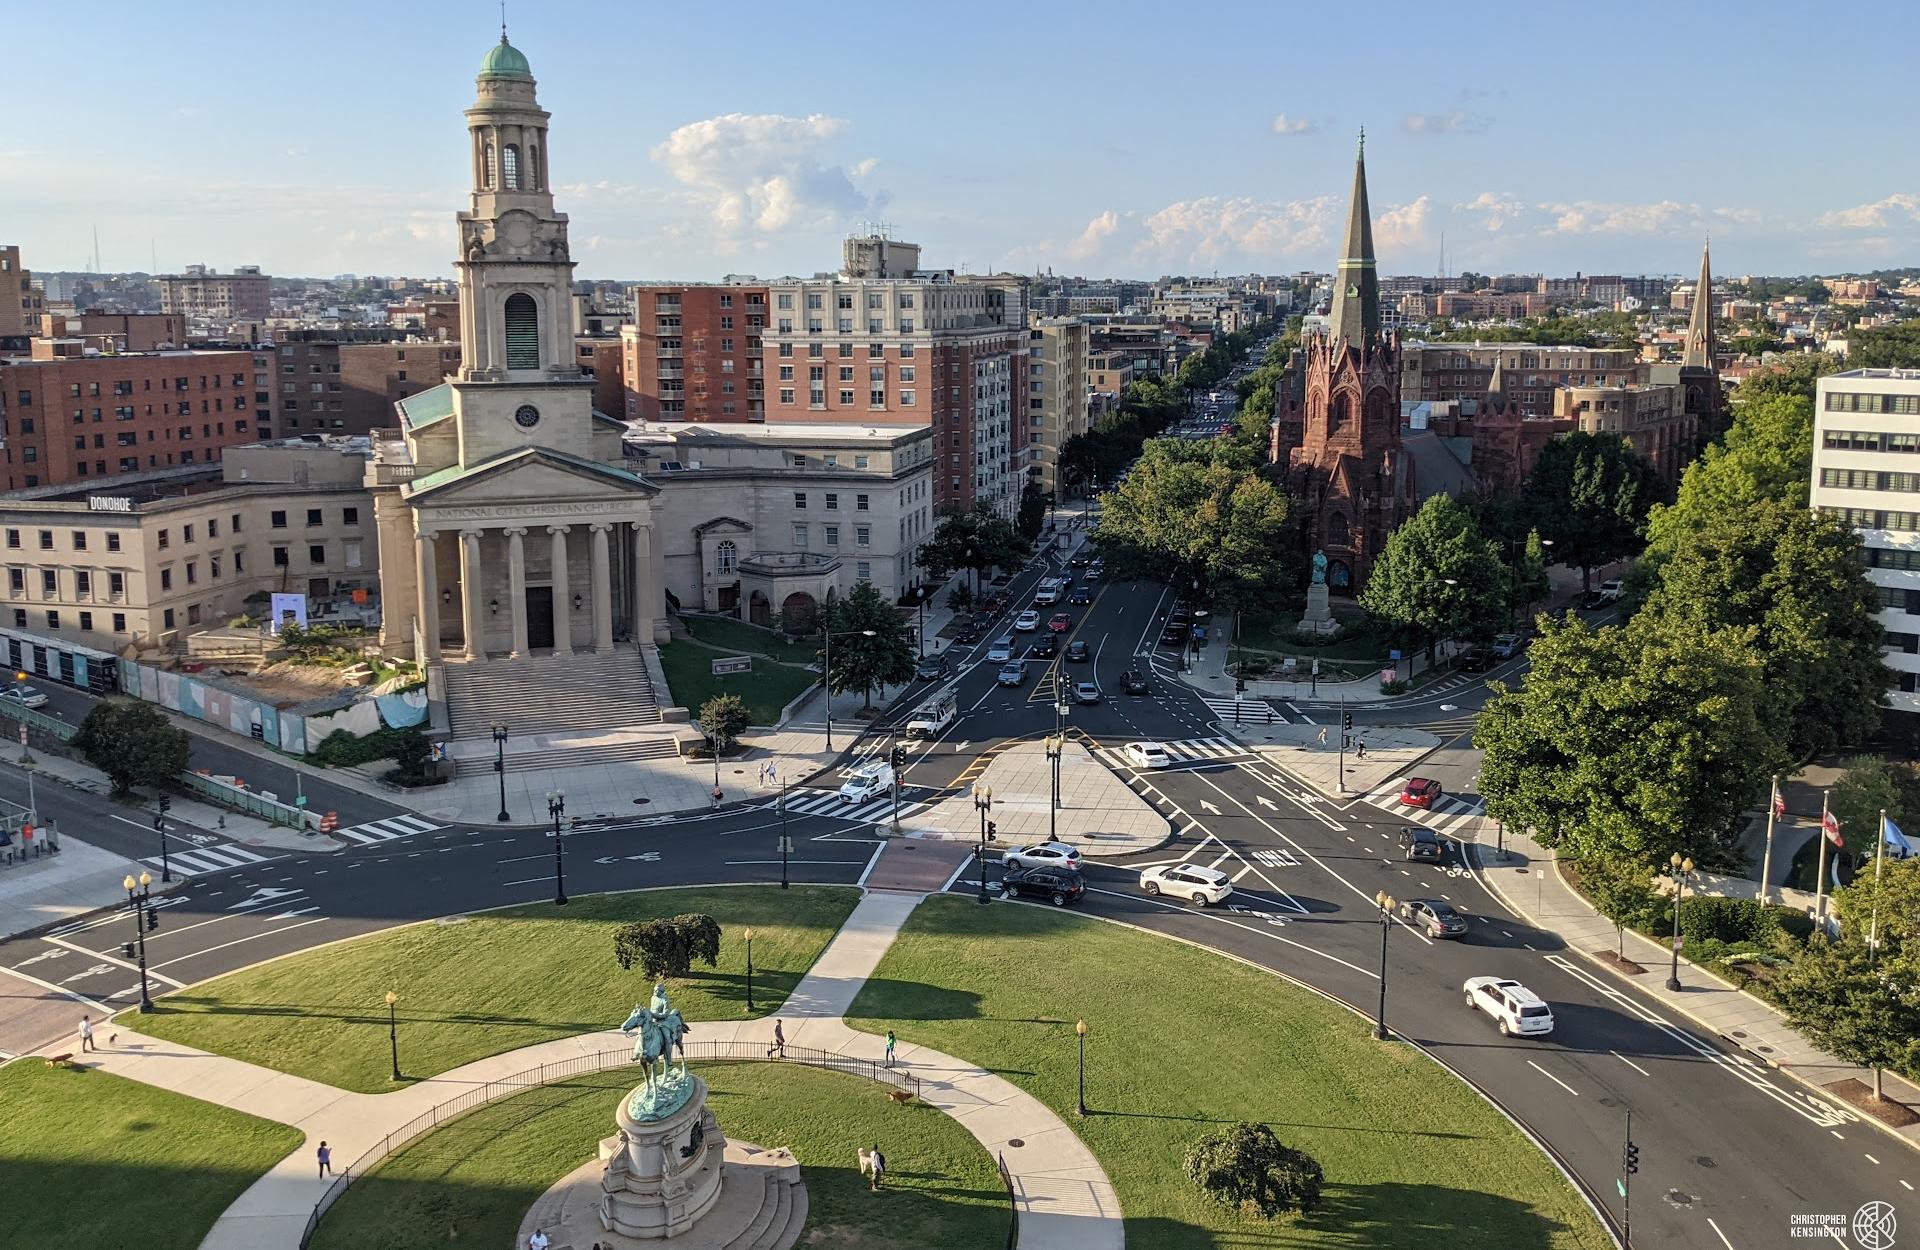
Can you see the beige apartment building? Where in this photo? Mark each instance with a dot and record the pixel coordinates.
(204, 294)
(1652, 417)
(1443, 371)
(20, 304)
(1109, 372)
(144, 561)
(1057, 386)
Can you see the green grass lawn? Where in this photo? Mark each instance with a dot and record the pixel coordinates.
(473, 1180)
(740, 638)
(1182, 1043)
(767, 689)
(88, 1159)
(489, 983)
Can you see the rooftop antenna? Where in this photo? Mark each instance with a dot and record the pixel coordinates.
(503, 21)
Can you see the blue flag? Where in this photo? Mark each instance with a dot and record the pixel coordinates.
(1898, 844)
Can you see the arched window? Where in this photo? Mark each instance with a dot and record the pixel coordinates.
(725, 557)
(523, 330)
(486, 169)
(1339, 412)
(533, 167)
(1337, 532)
(510, 173)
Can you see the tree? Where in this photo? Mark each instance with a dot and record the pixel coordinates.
(1185, 517)
(960, 598)
(976, 540)
(1409, 588)
(412, 753)
(1897, 918)
(1631, 741)
(1251, 1170)
(1032, 516)
(1796, 579)
(1589, 494)
(133, 744)
(667, 947)
(1530, 581)
(861, 662)
(723, 718)
(1890, 347)
(1622, 891)
(1766, 453)
(1863, 1010)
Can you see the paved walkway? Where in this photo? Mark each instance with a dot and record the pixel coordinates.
(1528, 878)
(1066, 1201)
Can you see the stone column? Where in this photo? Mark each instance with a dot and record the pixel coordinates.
(517, 587)
(643, 587)
(602, 590)
(562, 593)
(470, 593)
(428, 587)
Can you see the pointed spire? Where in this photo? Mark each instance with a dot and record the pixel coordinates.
(1496, 386)
(1699, 352)
(1356, 290)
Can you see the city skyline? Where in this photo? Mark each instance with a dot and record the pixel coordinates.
(1127, 150)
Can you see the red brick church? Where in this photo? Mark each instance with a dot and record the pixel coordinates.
(1337, 427)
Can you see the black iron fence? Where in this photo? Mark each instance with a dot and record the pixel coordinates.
(1013, 1203)
(547, 1073)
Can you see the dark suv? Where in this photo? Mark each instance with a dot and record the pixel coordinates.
(1135, 682)
(1418, 843)
(1058, 886)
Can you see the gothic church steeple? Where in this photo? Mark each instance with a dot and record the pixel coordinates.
(1356, 285)
(1699, 351)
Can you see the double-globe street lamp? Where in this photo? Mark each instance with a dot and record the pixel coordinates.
(557, 808)
(1384, 901)
(393, 1033)
(1056, 747)
(139, 897)
(983, 803)
(1682, 866)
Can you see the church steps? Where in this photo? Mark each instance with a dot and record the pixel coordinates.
(550, 694)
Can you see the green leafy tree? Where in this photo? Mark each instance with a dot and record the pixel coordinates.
(411, 754)
(1889, 347)
(1530, 581)
(667, 947)
(1796, 579)
(960, 598)
(1622, 891)
(1766, 454)
(1590, 494)
(1032, 516)
(1896, 920)
(1631, 742)
(1253, 1171)
(723, 718)
(1438, 578)
(862, 662)
(1863, 1010)
(974, 539)
(133, 744)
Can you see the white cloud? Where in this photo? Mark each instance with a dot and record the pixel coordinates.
(1399, 227)
(1203, 231)
(763, 172)
(1453, 121)
(1595, 217)
(1878, 215)
(1284, 125)
(865, 167)
(1098, 231)
(1497, 210)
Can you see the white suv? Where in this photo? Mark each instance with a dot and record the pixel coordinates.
(1202, 885)
(1515, 1008)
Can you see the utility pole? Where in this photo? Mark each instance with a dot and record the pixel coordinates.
(1629, 1164)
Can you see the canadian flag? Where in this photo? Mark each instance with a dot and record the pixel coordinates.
(1831, 824)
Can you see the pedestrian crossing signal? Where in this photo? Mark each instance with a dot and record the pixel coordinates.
(126, 950)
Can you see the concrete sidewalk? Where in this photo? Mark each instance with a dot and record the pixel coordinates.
(1066, 1201)
(1528, 879)
(1311, 753)
(1099, 813)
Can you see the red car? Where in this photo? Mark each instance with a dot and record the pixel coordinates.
(1421, 792)
(1060, 622)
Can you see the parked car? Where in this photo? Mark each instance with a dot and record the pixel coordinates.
(1134, 682)
(1421, 792)
(1042, 855)
(1012, 674)
(1190, 881)
(1147, 755)
(1593, 599)
(1611, 591)
(1517, 1010)
(869, 781)
(25, 696)
(1027, 621)
(933, 668)
(1058, 886)
(1078, 652)
(1475, 660)
(1001, 650)
(1045, 647)
(1418, 843)
(1506, 646)
(1086, 693)
(1080, 595)
(1433, 918)
(1174, 635)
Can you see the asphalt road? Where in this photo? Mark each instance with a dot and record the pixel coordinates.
(1730, 1152)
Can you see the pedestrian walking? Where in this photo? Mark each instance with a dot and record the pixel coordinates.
(716, 796)
(879, 1166)
(889, 1057)
(779, 1041)
(773, 773)
(1323, 737)
(539, 1240)
(86, 1033)
(1360, 750)
(326, 1160)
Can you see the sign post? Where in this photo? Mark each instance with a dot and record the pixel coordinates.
(733, 664)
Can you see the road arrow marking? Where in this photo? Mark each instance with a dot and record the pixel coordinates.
(265, 894)
(1267, 802)
(644, 856)
(1210, 807)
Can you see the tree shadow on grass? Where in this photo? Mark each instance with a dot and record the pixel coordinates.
(186, 1004)
(884, 998)
(1396, 1214)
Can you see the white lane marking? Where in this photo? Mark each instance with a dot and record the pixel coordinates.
(1836, 1132)
(131, 967)
(1871, 1159)
(62, 992)
(1905, 1185)
(1630, 1063)
(209, 950)
(527, 881)
(1717, 1233)
(1551, 1077)
(1205, 915)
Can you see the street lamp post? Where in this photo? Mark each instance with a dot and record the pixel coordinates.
(160, 827)
(393, 1033)
(1385, 902)
(1080, 1029)
(1053, 748)
(20, 700)
(983, 803)
(557, 808)
(749, 937)
(500, 767)
(780, 804)
(1682, 868)
(138, 895)
(826, 679)
(920, 629)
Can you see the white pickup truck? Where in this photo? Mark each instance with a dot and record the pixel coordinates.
(934, 715)
(1050, 591)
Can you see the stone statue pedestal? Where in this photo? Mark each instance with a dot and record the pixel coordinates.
(1319, 617)
(660, 1181)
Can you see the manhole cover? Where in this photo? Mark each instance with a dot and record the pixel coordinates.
(1705, 1161)
(738, 771)
(1015, 1141)
(639, 802)
(1739, 1033)
(1765, 1050)
(1675, 1198)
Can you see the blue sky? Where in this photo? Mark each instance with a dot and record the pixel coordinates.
(1122, 138)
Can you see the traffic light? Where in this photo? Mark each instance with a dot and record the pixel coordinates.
(993, 832)
(1630, 1159)
(1346, 720)
(153, 920)
(897, 757)
(126, 950)
(166, 803)
(1239, 685)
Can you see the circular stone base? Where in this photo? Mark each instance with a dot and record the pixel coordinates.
(762, 1206)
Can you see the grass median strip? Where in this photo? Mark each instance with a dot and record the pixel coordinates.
(475, 986)
(90, 1159)
(473, 1180)
(1182, 1043)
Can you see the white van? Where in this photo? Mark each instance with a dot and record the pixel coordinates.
(871, 780)
(1050, 591)
(934, 715)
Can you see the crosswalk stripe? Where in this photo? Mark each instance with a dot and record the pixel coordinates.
(387, 830)
(206, 859)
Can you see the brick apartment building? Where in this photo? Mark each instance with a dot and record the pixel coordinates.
(1443, 371)
(204, 294)
(693, 353)
(118, 332)
(329, 387)
(20, 303)
(68, 417)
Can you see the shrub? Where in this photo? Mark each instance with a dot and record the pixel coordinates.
(667, 947)
(341, 749)
(1250, 1169)
(1734, 921)
(1397, 686)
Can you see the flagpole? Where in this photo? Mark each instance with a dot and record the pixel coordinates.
(1820, 876)
(1873, 925)
(1766, 862)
